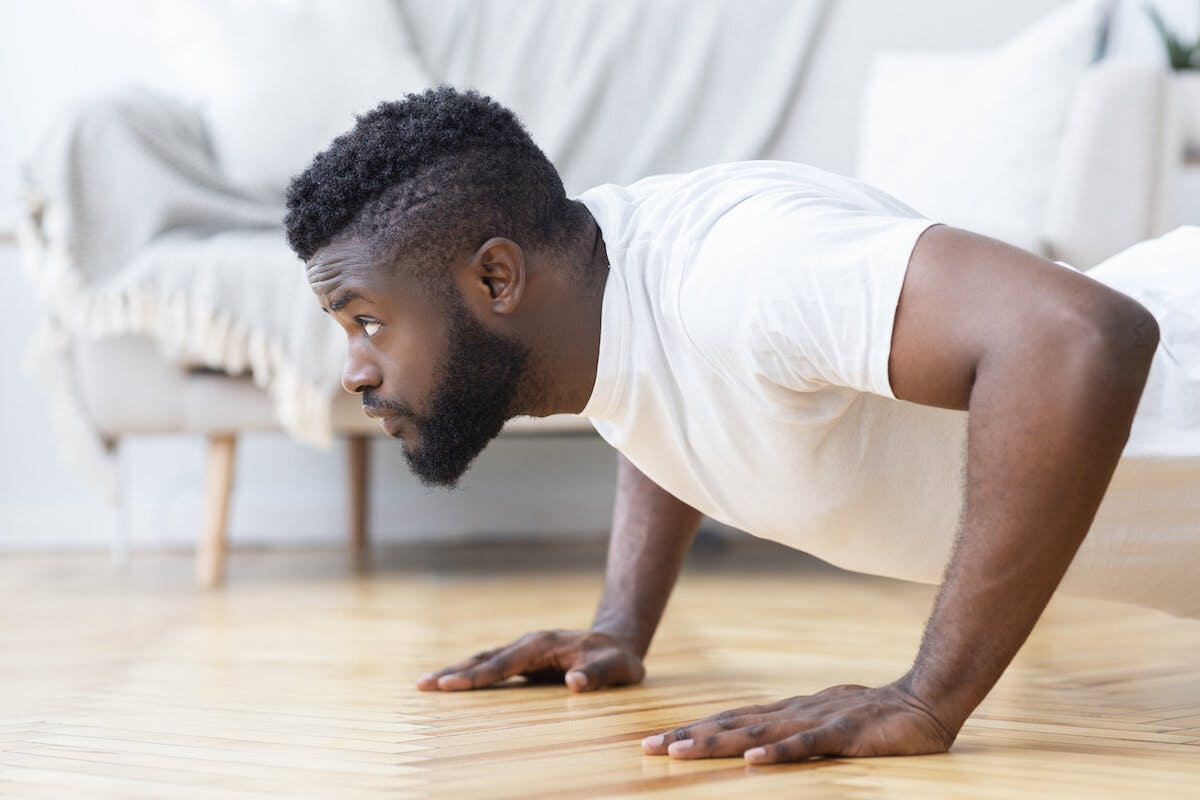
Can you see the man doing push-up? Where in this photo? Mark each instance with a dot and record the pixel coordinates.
(784, 349)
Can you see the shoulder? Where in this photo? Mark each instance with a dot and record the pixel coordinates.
(689, 204)
(799, 285)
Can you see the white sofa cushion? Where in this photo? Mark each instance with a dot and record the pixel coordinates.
(287, 76)
(1103, 193)
(972, 138)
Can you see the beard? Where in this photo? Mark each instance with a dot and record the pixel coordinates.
(474, 394)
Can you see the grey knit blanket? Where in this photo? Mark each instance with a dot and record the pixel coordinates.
(128, 226)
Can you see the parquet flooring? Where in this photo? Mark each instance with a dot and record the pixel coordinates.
(296, 680)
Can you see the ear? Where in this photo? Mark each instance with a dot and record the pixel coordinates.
(496, 276)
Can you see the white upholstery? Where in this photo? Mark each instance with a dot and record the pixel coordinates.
(1099, 180)
(970, 137)
(1103, 192)
(155, 396)
(614, 90)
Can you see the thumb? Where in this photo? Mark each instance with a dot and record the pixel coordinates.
(577, 680)
(611, 667)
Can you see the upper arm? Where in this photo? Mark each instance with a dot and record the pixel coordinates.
(966, 296)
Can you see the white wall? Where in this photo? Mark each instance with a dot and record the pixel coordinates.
(53, 51)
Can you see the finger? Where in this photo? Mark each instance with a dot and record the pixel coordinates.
(430, 681)
(513, 660)
(736, 742)
(612, 668)
(823, 741)
(724, 721)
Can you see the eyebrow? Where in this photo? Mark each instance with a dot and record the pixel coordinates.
(338, 303)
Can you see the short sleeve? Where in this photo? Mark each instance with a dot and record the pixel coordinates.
(807, 290)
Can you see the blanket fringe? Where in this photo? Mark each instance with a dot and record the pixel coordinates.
(182, 329)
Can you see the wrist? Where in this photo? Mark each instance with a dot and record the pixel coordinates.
(941, 702)
(625, 633)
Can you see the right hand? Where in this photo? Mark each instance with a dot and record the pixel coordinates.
(584, 660)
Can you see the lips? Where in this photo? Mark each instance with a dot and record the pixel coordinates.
(391, 424)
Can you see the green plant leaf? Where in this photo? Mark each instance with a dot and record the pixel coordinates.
(1181, 56)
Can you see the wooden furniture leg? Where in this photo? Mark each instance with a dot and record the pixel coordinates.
(358, 462)
(210, 554)
(116, 497)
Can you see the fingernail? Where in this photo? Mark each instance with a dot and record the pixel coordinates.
(755, 754)
(576, 680)
(453, 682)
(653, 741)
(682, 746)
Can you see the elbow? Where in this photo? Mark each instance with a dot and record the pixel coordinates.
(1130, 333)
(1123, 341)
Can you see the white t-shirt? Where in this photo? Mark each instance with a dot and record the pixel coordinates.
(743, 367)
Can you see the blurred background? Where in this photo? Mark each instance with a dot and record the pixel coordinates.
(153, 315)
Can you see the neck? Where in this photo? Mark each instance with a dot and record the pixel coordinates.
(570, 355)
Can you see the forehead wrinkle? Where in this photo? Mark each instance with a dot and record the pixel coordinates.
(352, 265)
(327, 272)
(323, 275)
(323, 283)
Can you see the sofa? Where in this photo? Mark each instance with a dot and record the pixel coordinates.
(613, 91)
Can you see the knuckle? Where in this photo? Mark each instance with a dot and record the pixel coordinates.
(563, 662)
(481, 675)
(726, 720)
(844, 724)
(757, 730)
(711, 741)
(679, 733)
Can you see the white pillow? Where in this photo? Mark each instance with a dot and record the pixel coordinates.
(972, 138)
(278, 79)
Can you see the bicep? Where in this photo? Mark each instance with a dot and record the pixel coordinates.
(966, 296)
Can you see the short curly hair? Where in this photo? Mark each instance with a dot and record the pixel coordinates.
(428, 176)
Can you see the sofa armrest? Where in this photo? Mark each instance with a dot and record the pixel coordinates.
(1103, 192)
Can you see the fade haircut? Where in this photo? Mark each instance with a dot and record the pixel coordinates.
(430, 177)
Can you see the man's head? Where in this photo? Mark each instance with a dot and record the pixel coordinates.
(438, 215)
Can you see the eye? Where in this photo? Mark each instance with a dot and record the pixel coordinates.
(366, 325)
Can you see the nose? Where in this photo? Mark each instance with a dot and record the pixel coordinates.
(359, 374)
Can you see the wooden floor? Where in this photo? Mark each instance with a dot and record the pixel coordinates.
(296, 681)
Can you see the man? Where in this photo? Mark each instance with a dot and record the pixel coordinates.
(784, 349)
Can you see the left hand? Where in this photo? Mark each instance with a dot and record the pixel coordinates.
(846, 720)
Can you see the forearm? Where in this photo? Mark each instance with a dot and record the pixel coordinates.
(1047, 424)
(651, 533)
